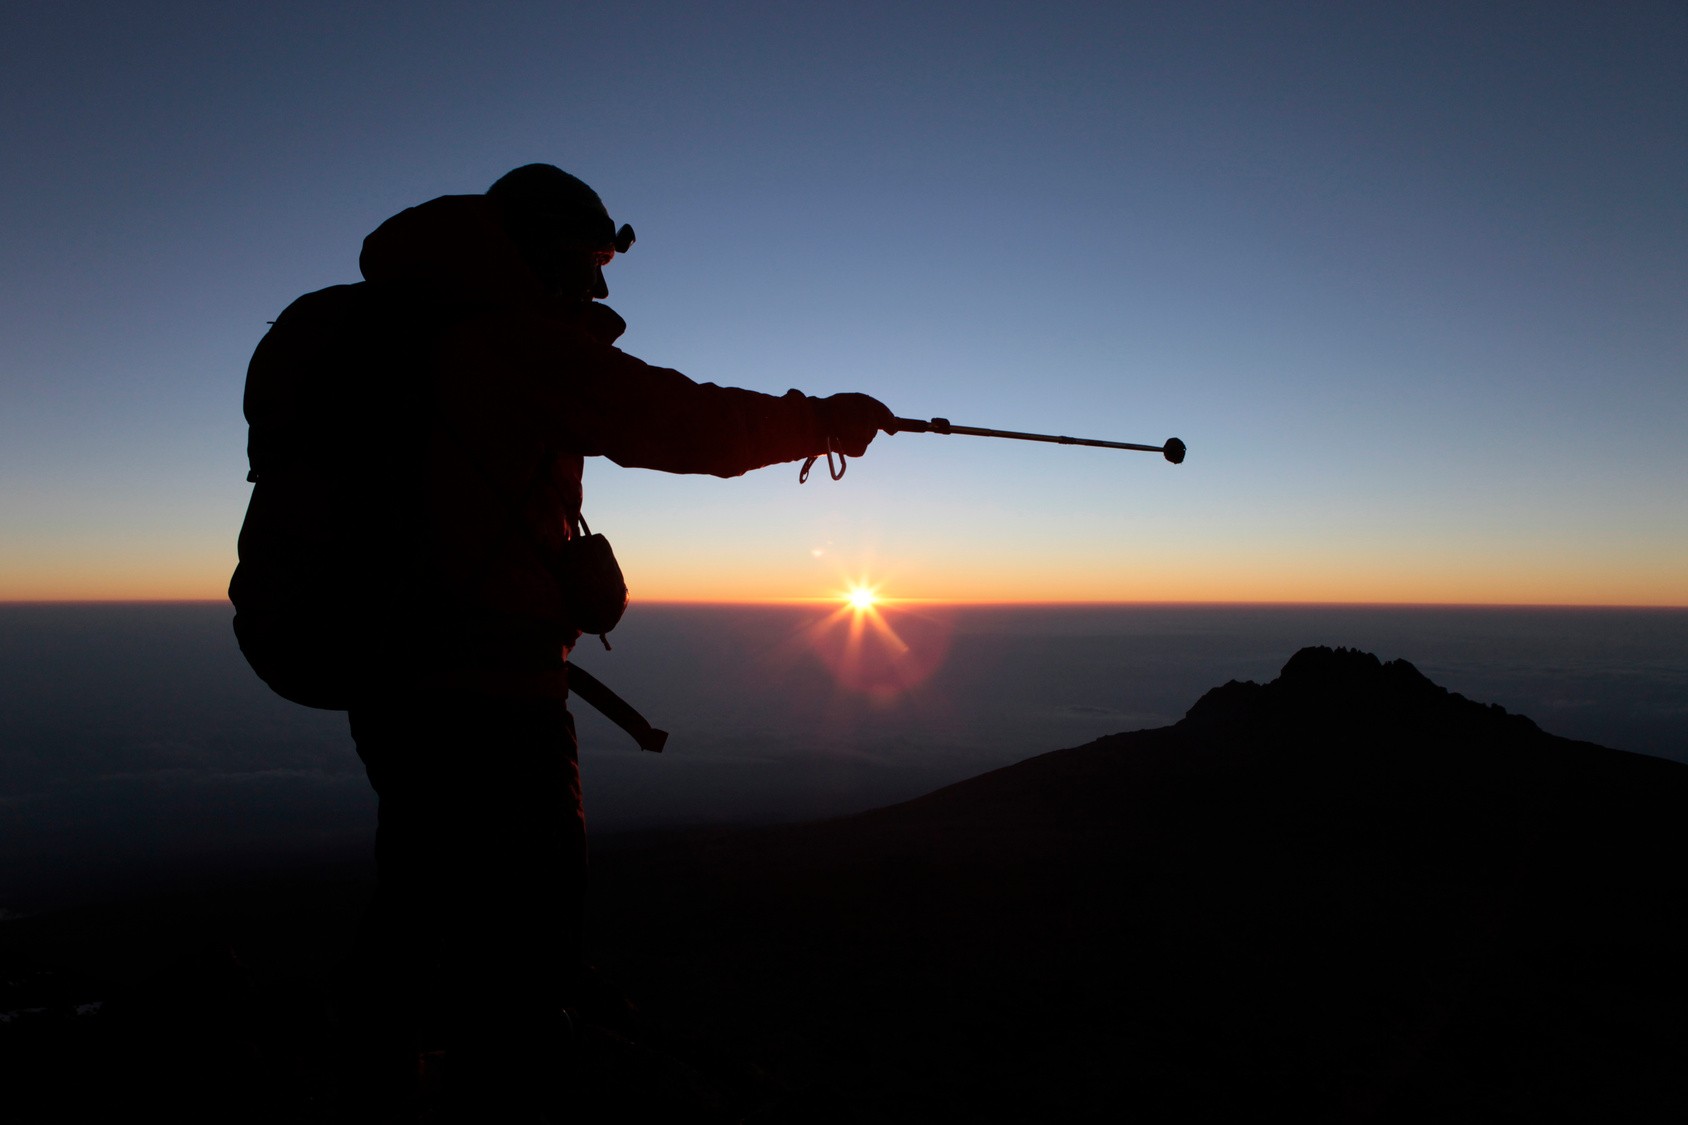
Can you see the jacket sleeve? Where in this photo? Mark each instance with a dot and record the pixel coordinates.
(560, 386)
(646, 417)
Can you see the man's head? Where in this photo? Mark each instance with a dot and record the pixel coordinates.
(561, 228)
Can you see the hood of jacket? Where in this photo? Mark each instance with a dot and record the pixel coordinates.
(455, 244)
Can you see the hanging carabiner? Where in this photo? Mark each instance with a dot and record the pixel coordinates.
(835, 471)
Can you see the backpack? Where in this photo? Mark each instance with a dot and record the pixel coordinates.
(332, 590)
(327, 587)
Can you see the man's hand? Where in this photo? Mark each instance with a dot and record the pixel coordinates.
(852, 420)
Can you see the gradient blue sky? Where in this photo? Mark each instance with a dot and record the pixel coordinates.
(1411, 279)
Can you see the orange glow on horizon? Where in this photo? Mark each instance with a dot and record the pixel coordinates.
(129, 573)
(195, 597)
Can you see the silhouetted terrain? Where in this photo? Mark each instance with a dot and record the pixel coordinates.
(1344, 895)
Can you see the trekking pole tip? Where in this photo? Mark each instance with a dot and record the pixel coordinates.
(1174, 451)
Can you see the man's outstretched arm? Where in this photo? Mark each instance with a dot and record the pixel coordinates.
(640, 416)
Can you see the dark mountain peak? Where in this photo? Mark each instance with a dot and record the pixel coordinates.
(1345, 894)
(1321, 687)
(1320, 663)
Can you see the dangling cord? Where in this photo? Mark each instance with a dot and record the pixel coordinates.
(836, 471)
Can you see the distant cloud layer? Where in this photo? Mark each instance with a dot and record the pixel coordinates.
(139, 746)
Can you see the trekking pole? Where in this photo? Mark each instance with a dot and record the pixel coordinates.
(1173, 450)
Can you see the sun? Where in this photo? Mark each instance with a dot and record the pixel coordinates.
(877, 645)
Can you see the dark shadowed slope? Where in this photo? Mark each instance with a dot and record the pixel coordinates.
(1346, 895)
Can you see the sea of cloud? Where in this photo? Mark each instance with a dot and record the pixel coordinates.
(136, 747)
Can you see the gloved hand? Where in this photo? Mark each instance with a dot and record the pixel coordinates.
(851, 421)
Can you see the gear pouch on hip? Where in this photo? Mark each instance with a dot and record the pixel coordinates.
(592, 579)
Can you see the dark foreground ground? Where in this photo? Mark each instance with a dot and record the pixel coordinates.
(1343, 896)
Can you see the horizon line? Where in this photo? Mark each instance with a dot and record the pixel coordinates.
(980, 603)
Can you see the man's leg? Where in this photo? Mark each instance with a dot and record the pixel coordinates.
(474, 941)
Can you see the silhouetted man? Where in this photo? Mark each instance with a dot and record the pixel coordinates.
(480, 328)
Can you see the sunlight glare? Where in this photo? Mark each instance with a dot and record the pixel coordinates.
(860, 639)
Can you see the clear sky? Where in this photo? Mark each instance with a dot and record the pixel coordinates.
(1411, 279)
